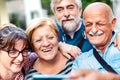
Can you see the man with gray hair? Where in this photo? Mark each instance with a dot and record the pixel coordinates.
(69, 23)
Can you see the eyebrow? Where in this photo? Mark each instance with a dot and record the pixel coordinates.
(65, 6)
(59, 7)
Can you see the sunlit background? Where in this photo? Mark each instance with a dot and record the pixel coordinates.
(21, 12)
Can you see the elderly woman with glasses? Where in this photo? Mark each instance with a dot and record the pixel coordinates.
(14, 48)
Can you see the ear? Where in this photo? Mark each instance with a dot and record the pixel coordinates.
(113, 23)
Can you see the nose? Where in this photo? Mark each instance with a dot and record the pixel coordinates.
(66, 13)
(94, 29)
(20, 57)
(45, 42)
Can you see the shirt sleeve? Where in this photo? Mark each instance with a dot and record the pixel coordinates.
(30, 61)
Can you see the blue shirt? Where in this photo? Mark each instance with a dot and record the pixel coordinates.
(76, 39)
(88, 61)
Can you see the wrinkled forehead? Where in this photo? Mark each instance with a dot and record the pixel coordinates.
(63, 2)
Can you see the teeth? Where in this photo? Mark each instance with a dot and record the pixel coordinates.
(17, 63)
(46, 50)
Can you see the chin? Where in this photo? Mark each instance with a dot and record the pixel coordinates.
(17, 69)
(49, 59)
(95, 42)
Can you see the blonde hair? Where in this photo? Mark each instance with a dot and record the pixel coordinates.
(41, 22)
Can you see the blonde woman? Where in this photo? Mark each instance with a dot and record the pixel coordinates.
(44, 38)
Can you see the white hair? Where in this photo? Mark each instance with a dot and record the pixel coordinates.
(53, 2)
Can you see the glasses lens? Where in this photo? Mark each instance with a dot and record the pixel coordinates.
(13, 53)
(25, 53)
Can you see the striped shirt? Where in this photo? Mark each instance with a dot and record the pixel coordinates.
(67, 69)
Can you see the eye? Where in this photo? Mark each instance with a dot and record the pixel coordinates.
(70, 7)
(88, 25)
(100, 24)
(50, 37)
(59, 9)
(39, 40)
(26, 51)
(13, 52)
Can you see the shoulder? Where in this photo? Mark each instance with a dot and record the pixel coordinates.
(30, 73)
(84, 55)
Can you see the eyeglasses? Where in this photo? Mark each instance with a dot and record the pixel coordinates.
(16, 53)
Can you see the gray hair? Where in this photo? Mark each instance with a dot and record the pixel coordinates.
(53, 2)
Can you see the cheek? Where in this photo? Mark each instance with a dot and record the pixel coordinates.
(5, 60)
(59, 16)
(87, 30)
(55, 43)
(75, 12)
(36, 47)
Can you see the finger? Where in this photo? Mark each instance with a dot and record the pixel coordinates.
(115, 42)
(118, 42)
(75, 51)
(67, 55)
(79, 73)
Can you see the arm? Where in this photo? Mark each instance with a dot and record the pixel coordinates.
(68, 50)
(93, 75)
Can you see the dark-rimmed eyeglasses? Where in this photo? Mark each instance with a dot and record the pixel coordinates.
(16, 53)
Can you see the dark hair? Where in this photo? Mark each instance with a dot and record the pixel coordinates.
(9, 35)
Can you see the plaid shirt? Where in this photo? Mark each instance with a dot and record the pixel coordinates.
(19, 76)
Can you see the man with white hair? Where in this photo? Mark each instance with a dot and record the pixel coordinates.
(69, 23)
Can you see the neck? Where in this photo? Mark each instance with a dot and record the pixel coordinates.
(104, 44)
(102, 49)
(51, 67)
(52, 62)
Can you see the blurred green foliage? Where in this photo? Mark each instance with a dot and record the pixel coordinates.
(14, 18)
(46, 5)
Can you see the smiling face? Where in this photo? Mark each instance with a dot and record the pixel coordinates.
(99, 25)
(67, 15)
(13, 64)
(45, 42)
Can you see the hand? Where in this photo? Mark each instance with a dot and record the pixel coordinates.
(92, 75)
(117, 41)
(69, 51)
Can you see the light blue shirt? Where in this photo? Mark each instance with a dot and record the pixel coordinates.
(88, 61)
